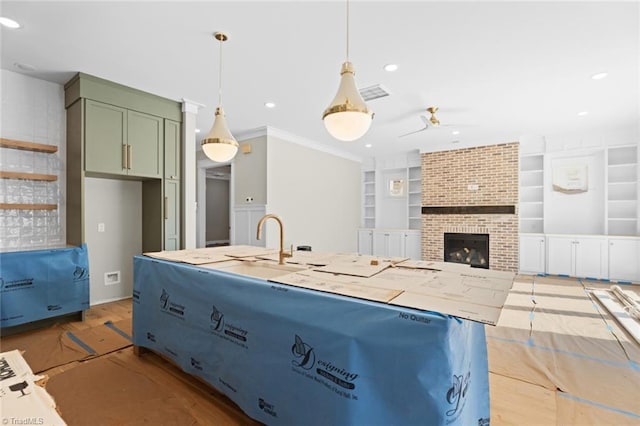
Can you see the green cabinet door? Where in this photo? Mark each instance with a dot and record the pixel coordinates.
(105, 138)
(172, 149)
(171, 214)
(145, 136)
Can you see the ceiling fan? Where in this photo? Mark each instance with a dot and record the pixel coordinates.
(428, 121)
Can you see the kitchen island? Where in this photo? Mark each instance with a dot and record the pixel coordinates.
(290, 355)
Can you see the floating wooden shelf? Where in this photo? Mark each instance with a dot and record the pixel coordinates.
(28, 146)
(8, 206)
(28, 176)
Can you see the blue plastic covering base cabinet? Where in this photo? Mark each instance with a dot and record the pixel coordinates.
(42, 284)
(291, 356)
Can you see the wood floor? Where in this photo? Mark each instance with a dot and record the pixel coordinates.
(513, 402)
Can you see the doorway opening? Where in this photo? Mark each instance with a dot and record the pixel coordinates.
(217, 196)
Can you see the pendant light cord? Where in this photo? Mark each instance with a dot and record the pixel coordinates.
(347, 30)
(220, 78)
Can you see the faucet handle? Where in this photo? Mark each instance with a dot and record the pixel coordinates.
(290, 254)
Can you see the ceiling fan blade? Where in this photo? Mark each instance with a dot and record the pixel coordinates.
(425, 120)
(411, 133)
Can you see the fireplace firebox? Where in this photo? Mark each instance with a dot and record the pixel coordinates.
(472, 249)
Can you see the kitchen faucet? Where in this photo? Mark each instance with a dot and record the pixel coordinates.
(283, 255)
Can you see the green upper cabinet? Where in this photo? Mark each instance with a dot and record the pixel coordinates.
(145, 137)
(106, 138)
(172, 150)
(122, 142)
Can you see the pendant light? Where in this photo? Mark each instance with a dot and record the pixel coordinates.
(347, 118)
(220, 145)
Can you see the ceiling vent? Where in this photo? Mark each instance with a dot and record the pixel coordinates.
(374, 92)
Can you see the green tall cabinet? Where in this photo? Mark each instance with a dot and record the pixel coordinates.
(117, 132)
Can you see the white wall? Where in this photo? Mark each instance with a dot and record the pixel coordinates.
(581, 213)
(250, 172)
(118, 205)
(317, 195)
(32, 110)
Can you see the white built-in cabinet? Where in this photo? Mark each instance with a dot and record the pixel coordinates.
(624, 259)
(533, 249)
(365, 241)
(594, 234)
(584, 256)
(392, 207)
(390, 243)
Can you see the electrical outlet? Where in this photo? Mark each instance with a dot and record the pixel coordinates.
(101, 227)
(111, 278)
(473, 187)
(249, 199)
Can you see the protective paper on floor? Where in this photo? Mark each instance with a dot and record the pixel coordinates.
(46, 348)
(293, 356)
(21, 400)
(552, 334)
(124, 389)
(41, 284)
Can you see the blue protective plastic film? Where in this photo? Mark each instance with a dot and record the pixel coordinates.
(41, 284)
(288, 356)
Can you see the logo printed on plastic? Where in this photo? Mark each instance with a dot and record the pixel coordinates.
(457, 393)
(334, 378)
(267, 408)
(225, 329)
(304, 357)
(217, 319)
(80, 273)
(16, 284)
(169, 307)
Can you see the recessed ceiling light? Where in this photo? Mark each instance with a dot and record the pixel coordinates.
(583, 113)
(368, 145)
(269, 104)
(9, 23)
(455, 132)
(24, 67)
(390, 67)
(197, 130)
(599, 76)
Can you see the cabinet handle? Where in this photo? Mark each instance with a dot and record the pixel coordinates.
(125, 161)
(166, 207)
(129, 157)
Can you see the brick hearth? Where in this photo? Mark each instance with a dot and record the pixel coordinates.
(446, 176)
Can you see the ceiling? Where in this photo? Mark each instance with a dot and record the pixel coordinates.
(497, 70)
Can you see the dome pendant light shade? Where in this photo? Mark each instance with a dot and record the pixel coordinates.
(220, 145)
(347, 118)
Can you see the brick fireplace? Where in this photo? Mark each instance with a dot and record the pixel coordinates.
(472, 191)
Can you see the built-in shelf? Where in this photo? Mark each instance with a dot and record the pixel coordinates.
(10, 206)
(28, 146)
(622, 190)
(531, 193)
(28, 176)
(33, 147)
(621, 172)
